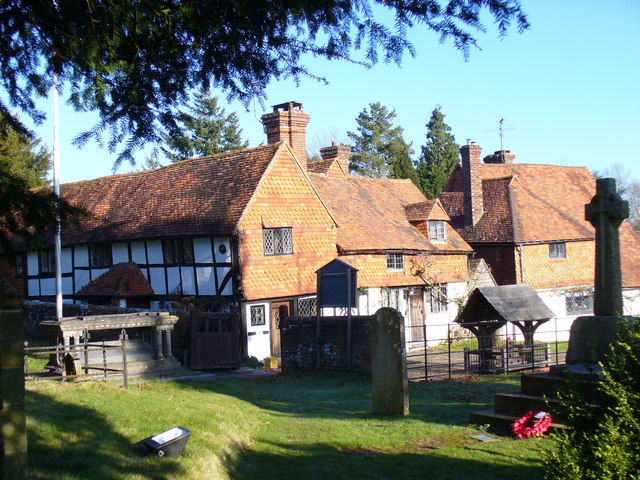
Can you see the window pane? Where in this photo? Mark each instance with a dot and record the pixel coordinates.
(277, 241)
(257, 315)
(395, 261)
(557, 250)
(436, 230)
(100, 255)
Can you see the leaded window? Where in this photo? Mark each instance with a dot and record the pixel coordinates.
(437, 298)
(307, 307)
(277, 241)
(437, 230)
(257, 315)
(579, 302)
(558, 250)
(395, 262)
(100, 255)
(177, 251)
(47, 262)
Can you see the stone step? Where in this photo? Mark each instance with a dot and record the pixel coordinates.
(517, 404)
(502, 422)
(550, 384)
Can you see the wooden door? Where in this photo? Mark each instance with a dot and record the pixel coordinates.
(275, 326)
(416, 314)
(215, 340)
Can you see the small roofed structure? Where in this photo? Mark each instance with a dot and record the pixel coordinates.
(490, 308)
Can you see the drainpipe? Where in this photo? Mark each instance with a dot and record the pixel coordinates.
(519, 246)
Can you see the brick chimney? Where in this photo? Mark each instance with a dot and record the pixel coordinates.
(501, 156)
(341, 153)
(288, 123)
(473, 207)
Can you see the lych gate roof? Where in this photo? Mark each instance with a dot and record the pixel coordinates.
(121, 280)
(375, 214)
(507, 303)
(201, 196)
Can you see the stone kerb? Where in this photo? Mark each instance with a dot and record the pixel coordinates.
(389, 382)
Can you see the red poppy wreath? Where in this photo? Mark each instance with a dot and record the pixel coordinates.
(531, 424)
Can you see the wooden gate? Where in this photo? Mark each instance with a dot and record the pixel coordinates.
(215, 340)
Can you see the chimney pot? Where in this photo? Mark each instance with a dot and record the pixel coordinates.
(288, 122)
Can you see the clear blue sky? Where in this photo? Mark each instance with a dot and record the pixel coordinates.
(568, 90)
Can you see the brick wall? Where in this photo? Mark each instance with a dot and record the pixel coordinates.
(285, 199)
(299, 346)
(501, 260)
(473, 201)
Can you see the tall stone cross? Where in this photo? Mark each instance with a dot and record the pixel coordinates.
(606, 212)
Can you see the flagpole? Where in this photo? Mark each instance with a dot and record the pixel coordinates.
(56, 191)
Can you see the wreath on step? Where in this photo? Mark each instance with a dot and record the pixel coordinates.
(533, 423)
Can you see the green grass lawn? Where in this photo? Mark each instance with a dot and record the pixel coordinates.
(315, 426)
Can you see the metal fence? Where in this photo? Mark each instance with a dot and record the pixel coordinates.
(73, 361)
(448, 350)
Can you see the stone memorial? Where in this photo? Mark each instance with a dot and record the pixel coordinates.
(389, 382)
(591, 336)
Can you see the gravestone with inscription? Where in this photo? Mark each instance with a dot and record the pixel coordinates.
(389, 382)
(591, 336)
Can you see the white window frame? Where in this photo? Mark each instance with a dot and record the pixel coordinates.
(395, 262)
(437, 230)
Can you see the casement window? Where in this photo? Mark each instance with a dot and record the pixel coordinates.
(100, 255)
(437, 298)
(307, 307)
(47, 262)
(557, 250)
(395, 262)
(390, 298)
(177, 251)
(277, 241)
(437, 230)
(579, 302)
(257, 315)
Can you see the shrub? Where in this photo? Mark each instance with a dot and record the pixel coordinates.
(604, 442)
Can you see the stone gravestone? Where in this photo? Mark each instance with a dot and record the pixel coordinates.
(389, 383)
(591, 336)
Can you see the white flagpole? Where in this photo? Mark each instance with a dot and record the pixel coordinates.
(56, 191)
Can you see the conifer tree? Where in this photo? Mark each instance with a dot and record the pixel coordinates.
(439, 156)
(204, 129)
(379, 149)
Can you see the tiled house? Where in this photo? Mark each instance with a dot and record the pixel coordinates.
(527, 222)
(246, 231)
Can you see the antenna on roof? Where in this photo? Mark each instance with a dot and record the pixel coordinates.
(501, 129)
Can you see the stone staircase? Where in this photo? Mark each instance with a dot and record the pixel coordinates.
(538, 391)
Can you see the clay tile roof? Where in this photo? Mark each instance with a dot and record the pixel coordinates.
(526, 203)
(372, 216)
(121, 280)
(200, 196)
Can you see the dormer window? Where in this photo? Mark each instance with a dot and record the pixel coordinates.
(557, 250)
(437, 230)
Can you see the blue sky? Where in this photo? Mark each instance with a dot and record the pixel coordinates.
(568, 90)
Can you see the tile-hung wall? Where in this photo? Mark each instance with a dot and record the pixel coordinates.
(205, 270)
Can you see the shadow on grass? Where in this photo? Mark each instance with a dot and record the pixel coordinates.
(339, 395)
(84, 447)
(316, 461)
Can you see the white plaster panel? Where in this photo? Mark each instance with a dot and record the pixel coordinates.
(158, 281)
(154, 252)
(202, 250)
(47, 286)
(33, 287)
(206, 281)
(67, 285)
(138, 254)
(81, 256)
(66, 261)
(188, 280)
(173, 279)
(96, 272)
(631, 301)
(222, 257)
(222, 272)
(32, 264)
(120, 253)
(81, 277)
